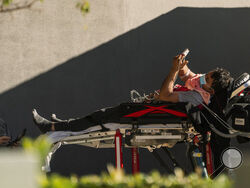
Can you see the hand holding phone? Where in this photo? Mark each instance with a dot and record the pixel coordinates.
(184, 54)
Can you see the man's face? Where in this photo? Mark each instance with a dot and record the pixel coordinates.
(208, 85)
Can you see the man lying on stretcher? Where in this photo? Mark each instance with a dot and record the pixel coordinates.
(198, 88)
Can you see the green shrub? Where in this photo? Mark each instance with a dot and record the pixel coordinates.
(39, 147)
(118, 179)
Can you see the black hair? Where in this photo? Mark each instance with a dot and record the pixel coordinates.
(221, 79)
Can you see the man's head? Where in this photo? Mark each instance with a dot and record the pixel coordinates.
(217, 80)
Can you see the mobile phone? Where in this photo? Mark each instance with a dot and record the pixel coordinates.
(185, 52)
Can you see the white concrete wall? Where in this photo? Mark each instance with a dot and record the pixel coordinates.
(34, 41)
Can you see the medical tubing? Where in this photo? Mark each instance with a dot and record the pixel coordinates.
(219, 132)
(225, 124)
(237, 133)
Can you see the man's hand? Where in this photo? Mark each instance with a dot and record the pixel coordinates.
(4, 139)
(179, 62)
(183, 64)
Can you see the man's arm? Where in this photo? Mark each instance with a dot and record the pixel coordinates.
(185, 73)
(166, 91)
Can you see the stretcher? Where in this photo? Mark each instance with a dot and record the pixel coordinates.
(141, 125)
(145, 123)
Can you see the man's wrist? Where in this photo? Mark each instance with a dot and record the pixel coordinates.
(185, 74)
(174, 69)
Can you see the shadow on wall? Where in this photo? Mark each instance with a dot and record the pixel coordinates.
(138, 59)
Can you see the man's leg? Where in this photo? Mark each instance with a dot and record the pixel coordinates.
(79, 124)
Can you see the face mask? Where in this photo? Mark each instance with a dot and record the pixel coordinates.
(195, 83)
(203, 80)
